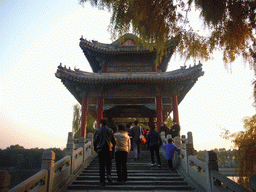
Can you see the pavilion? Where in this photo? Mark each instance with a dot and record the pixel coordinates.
(126, 82)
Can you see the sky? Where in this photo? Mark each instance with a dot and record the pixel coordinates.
(36, 110)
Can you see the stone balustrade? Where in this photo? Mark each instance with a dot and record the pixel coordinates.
(204, 176)
(79, 152)
(57, 175)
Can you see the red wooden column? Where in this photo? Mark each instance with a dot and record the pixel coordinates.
(99, 111)
(175, 109)
(84, 117)
(159, 113)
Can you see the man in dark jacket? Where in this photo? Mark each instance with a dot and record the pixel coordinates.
(164, 129)
(175, 130)
(135, 133)
(154, 142)
(103, 143)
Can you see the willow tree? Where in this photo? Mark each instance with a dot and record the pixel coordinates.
(169, 121)
(245, 142)
(76, 124)
(230, 25)
(246, 154)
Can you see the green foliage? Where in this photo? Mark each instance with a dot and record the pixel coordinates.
(19, 157)
(245, 141)
(201, 155)
(76, 125)
(226, 158)
(230, 22)
(169, 122)
(90, 125)
(22, 163)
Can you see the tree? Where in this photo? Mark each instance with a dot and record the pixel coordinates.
(245, 141)
(169, 122)
(76, 125)
(91, 124)
(230, 23)
(12, 147)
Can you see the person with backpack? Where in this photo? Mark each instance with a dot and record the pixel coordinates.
(154, 142)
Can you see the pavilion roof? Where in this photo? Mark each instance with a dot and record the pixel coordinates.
(95, 78)
(96, 51)
(113, 48)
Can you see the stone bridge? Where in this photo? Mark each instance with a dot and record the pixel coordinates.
(78, 171)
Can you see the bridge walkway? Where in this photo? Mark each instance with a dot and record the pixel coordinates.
(141, 177)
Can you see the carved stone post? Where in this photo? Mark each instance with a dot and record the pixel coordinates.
(70, 150)
(253, 183)
(162, 134)
(177, 142)
(190, 138)
(183, 141)
(176, 157)
(82, 142)
(189, 149)
(168, 136)
(5, 179)
(48, 163)
(90, 139)
(211, 164)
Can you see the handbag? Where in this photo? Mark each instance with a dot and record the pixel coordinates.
(142, 138)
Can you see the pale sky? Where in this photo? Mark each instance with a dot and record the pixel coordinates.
(36, 110)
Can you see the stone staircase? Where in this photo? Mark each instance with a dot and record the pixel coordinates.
(141, 177)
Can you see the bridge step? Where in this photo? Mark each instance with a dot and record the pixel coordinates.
(141, 177)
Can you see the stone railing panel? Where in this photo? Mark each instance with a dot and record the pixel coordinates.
(55, 176)
(204, 176)
(181, 161)
(77, 158)
(197, 171)
(37, 182)
(222, 183)
(62, 172)
(87, 150)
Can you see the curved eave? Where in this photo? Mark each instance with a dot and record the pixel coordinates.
(111, 49)
(106, 78)
(91, 49)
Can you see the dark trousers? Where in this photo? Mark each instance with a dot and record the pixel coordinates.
(105, 157)
(155, 148)
(170, 164)
(121, 166)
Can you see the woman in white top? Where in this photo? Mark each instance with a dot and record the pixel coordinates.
(122, 148)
